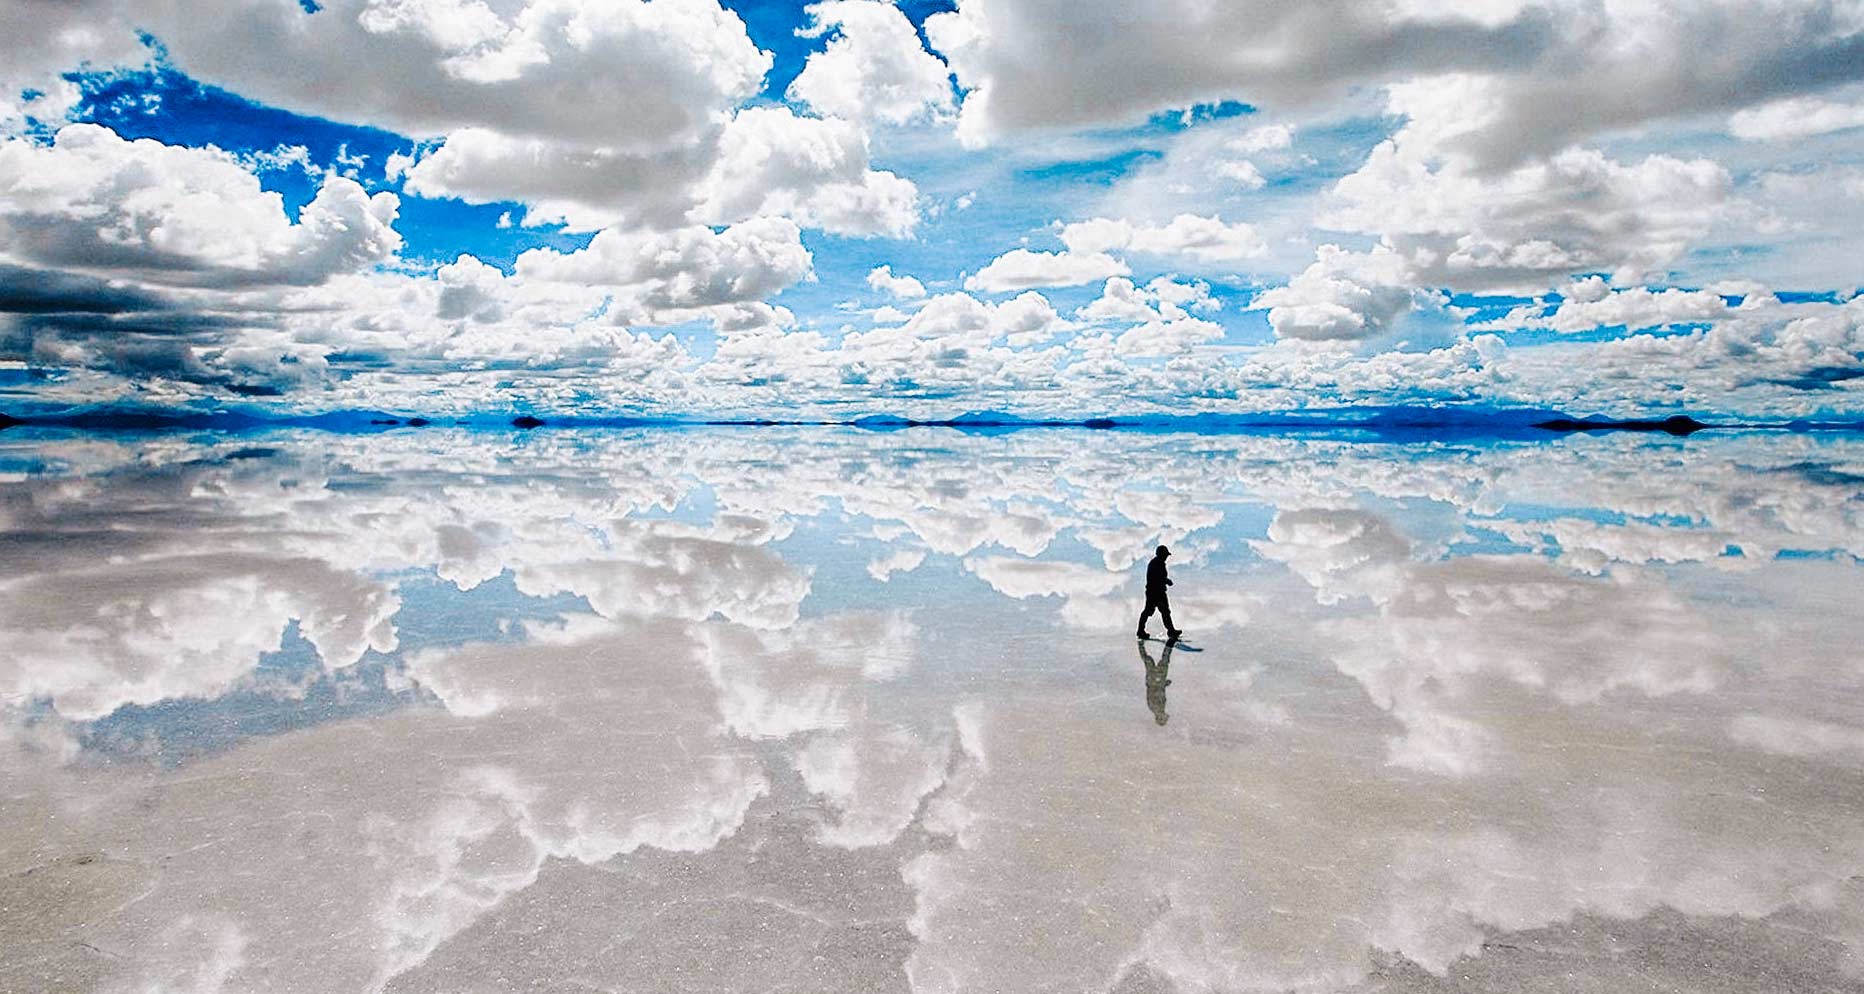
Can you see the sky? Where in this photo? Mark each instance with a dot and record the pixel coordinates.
(1043, 207)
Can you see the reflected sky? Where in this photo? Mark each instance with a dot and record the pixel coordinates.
(823, 710)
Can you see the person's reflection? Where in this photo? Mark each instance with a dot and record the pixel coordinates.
(1156, 679)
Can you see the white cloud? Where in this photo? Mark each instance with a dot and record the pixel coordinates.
(683, 269)
(812, 170)
(1808, 212)
(529, 71)
(1263, 138)
(584, 187)
(764, 161)
(1552, 74)
(506, 94)
(1021, 269)
(1119, 300)
(1342, 296)
(168, 275)
(1187, 236)
(873, 68)
(1524, 229)
(1162, 299)
(1794, 117)
(904, 287)
(41, 42)
(1590, 305)
(1026, 64)
(1026, 320)
(1243, 172)
(180, 216)
(1163, 338)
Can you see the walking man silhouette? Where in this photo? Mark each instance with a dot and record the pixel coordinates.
(1156, 582)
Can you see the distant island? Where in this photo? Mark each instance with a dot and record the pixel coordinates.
(1681, 424)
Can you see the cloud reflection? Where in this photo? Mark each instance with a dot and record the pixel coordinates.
(1445, 693)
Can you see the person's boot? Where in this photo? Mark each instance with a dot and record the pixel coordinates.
(1171, 634)
(1142, 634)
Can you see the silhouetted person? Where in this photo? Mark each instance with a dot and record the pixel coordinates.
(1156, 582)
(1157, 679)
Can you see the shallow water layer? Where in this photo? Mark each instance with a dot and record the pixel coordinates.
(828, 710)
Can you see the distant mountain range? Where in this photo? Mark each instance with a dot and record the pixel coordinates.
(1396, 421)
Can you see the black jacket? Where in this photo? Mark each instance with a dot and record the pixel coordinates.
(1155, 577)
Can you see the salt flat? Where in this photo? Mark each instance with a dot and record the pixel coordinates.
(830, 710)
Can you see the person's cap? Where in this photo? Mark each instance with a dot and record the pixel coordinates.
(1163, 551)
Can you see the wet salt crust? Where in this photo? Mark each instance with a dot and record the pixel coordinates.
(829, 710)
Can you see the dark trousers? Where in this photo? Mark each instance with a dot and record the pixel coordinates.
(1157, 602)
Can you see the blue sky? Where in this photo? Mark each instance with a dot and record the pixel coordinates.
(677, 207)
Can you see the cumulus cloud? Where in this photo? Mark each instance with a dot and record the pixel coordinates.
(681, 270)
(1026, 320)
(1162, 299)
(904, 287)
(1342, 296)
(581, 186)
(532, 70)
(1119, 300)
(1578, 211)
(161, 263)
(501, 99)
(1744, 352)
(1163, 338)
(764, 161)
(44, 41)
(873, 68)
(813, 170)
(1590, 303)
(162, 274)
(1545, 69)
(93, 201)
(1021, 269)
(1025, 65)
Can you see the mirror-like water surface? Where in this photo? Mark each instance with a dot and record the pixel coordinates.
(824, 710)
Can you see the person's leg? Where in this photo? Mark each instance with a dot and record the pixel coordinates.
(1165, 616)
(1147, 613)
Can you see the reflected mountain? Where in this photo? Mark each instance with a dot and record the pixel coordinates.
(831, 709)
